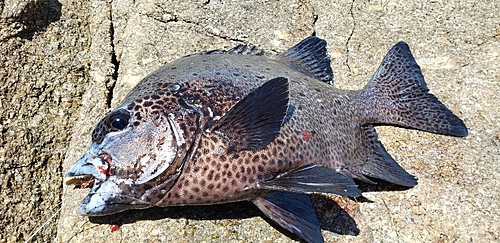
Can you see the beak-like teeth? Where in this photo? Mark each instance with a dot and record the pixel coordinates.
(77, 180)
(85, 168)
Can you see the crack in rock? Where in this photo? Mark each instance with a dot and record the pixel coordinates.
(350, 35)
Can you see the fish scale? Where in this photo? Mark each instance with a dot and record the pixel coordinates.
(225, 126)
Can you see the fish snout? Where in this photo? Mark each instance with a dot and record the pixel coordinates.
(89, 167)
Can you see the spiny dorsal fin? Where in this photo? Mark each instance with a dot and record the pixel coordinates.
(311, 58)
(239, 49)
(294, 212)
(255, 121)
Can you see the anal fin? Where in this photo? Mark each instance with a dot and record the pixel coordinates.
(312, 179)
(379, 164)
(294, 212)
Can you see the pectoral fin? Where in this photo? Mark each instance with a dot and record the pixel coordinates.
(255, 121)
(294, 212)
(312, 179)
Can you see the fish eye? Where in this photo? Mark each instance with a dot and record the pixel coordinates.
(118, 122)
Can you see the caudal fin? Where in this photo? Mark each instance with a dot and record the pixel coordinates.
(397, 94)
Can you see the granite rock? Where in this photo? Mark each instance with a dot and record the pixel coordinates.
(64, 64)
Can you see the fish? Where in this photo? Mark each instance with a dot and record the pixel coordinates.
(234, 125)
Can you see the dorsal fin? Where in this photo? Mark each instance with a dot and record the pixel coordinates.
(311, 58)
(239, 49)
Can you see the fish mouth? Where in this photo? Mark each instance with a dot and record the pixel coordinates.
(83, 181)
(88, 169)
(105, 197)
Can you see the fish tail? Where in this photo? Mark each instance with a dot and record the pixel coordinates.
(397, 95)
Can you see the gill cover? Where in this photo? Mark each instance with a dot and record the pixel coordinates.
(127, 158)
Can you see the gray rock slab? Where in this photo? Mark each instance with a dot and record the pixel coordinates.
(85, 61)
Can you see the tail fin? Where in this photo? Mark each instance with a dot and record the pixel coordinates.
(397, 94)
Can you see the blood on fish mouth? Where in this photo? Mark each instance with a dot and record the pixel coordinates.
(84, 181)
(86, 184)
(108, 159)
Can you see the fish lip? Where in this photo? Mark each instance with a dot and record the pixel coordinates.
(85, 170)
(78, 180)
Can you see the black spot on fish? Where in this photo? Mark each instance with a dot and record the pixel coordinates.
(260, 168)
(281, 162)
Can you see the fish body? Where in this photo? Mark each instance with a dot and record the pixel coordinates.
(226, 126)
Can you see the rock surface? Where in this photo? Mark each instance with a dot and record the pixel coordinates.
(65, 63)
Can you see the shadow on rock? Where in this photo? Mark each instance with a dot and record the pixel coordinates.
(331, 216)
(379, 186)
(34, 18)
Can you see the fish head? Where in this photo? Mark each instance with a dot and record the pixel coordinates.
(137, 153)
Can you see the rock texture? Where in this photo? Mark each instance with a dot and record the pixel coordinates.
(64, 63)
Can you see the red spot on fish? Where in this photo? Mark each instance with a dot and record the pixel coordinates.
(346, 209)
(114, 227)
(102, 170)
(86, 184)
(306, 135)
(108, 159)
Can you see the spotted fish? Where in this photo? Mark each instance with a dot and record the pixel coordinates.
(225, 126)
